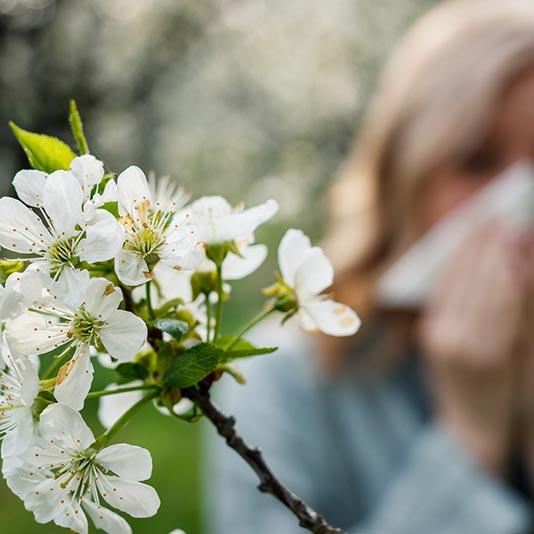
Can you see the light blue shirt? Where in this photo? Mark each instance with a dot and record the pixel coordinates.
(363, 452)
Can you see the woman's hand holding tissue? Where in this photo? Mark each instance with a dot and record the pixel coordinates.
(471, 335)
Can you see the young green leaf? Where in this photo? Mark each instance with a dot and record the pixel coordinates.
(76, 126)
(193, 365)
(241, 349)
(177, 329)
(44, 152)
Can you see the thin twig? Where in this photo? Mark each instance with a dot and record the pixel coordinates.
(269, 483)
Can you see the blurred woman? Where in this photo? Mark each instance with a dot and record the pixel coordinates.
(423, 422)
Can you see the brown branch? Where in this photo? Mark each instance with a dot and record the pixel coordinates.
(269, 483)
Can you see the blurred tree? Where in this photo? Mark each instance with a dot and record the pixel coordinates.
(247, 98)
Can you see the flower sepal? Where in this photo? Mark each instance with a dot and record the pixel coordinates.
(285, 298)
(203, 283)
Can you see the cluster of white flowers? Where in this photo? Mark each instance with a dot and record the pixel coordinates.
(85, 241)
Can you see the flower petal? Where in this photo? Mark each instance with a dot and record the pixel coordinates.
(17, 440)
(30, 381)
(103, 239)
(71, 287)
(207, 213)
(20, 477)
(62, 199)
(292, 249)
(29, 185)
(314, 275)
(36, 286)
(245, 222)
(331, 317)
(72, 517)
(44, 500)
(181, 260)
(126, 461)
(133, 190)
(123, 335)
(105, 519)
(236, 267)
(33, 333)
(75, 379)
(131, 268)
(218, 221)
(134, 498)
(88, 170)
(20, 228)
(42, 455)
(102, 298)
(12, 302)
(61, 422)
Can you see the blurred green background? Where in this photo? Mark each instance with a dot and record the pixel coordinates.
(250, 99)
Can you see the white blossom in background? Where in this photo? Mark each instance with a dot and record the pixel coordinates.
(218, 222)
(111, 407)
(153, 234)
(308, 272)
(62, 478)
(84, 314)
(19, 385)
(65, 235)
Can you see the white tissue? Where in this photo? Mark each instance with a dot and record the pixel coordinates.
(410, 281)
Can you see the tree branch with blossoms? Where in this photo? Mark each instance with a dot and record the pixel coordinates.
(126, 270)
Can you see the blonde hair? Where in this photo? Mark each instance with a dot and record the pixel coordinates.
(434, 103)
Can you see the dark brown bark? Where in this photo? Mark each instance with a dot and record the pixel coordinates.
(269, 483)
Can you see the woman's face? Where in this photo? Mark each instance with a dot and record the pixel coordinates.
(511, 139)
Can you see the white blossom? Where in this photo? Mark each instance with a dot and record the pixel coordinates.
(88, 170)
(19, 385)
(154, 233)
(64, 236)
(63, 477)
(308, 272)
(219, 222)
(74, 318)
(111, 407)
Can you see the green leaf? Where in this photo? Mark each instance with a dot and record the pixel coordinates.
(76, 126)
(241, 349)
(177, 329)
(44, 152)
(193, 365)
(112, 207)
(131, 371)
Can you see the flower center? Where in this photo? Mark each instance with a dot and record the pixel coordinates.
(63, 254)
(146, 236)
(85, 327)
